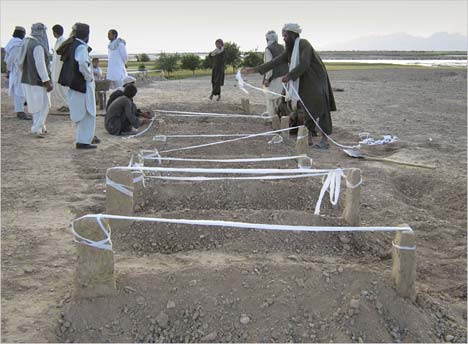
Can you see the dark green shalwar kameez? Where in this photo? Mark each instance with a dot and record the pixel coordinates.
(217, 73)
(314, 86)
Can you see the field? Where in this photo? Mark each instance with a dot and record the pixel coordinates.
(190, 284)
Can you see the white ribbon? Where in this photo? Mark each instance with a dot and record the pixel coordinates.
(104, 244)
(171, 113)
(126, 190)
(230, 224)
(267, 133)
(404, 248)
(141, 132)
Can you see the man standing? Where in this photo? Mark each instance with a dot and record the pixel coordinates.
(272, 78)
(117, 59)
(33, 62)
(77, 74)
(308, 79)
(15, 90)
(59, 94)
(217, 58)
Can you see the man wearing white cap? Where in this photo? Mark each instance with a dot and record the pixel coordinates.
(308, 80)
(15, 90)
(34, 63)
(272, 78)
(117, 59)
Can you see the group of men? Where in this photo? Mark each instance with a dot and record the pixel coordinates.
(34, 74)
(309, 99)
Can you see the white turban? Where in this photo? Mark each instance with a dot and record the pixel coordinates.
(293, 27)
(271, 37)
(128, 79)
(38, 31)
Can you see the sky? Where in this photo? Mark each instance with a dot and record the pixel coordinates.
(193, 26)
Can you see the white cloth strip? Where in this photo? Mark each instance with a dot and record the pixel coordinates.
(281, 158)
(404, 248)
(141, 132)
(242, 225)
(369, 141)
(223, 170)
(126, 190)
(104, 244)
(231, 140)
(204, 114)
(295, 95)
(268, 177)
(210, 135)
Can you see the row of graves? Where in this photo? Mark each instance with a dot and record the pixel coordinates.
(219, 185)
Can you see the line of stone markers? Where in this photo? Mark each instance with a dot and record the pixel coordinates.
(94, 275)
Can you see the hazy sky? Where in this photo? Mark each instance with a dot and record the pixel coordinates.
(183, 26)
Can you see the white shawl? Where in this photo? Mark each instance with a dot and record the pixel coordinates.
(295, 59)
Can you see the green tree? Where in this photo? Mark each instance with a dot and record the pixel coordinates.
(168, 62)
(232, 55)
(252, 59)
(190, 62)
(143, 58)
(206, 64)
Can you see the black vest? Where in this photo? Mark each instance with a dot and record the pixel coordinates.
(283, 69)
(70, 75)
(30, 75)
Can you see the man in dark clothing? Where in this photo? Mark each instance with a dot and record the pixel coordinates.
(121, 115)
(308, 76)
(128, 80)
(217, 57)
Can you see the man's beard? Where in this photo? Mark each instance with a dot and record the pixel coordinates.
(289, 42)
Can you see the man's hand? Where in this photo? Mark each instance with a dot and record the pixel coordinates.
(248, 70)
(266, 83)
(48, 86)
(285, 79)
(147, 114)
(145, 120)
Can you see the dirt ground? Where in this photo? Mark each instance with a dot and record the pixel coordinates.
(192, 284)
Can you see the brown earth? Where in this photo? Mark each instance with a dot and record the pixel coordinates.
(183, 283)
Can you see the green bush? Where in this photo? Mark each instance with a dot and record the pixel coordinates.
(190, 62)
(143, 58)
(141, 67)
(232, 55)
(206, 63)
(252, 59)
(168, 62)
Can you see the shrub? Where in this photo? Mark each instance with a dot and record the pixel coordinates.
(190, 62)
(168, 62)
(252, 59)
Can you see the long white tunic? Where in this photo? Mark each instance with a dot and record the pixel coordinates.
(37, 97)
(275, 84)
(56, 63)
(83, 104)
(116, 70)
(59, 93)
(12, 50)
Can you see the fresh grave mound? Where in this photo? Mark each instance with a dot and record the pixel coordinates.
(244, 299)
(295, 194)
(149, 237)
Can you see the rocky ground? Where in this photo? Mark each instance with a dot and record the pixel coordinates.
(182, 283)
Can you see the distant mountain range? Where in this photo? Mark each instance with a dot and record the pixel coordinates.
(440, 41)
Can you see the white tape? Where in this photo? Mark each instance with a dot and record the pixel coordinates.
(262, 177)
(404, 248)
(126, 190)
(156, 156)
(318, 172)
(231, 140)
(170, 113)
(241, 225)
(141, 132)
(156, 137)
(104, 244)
